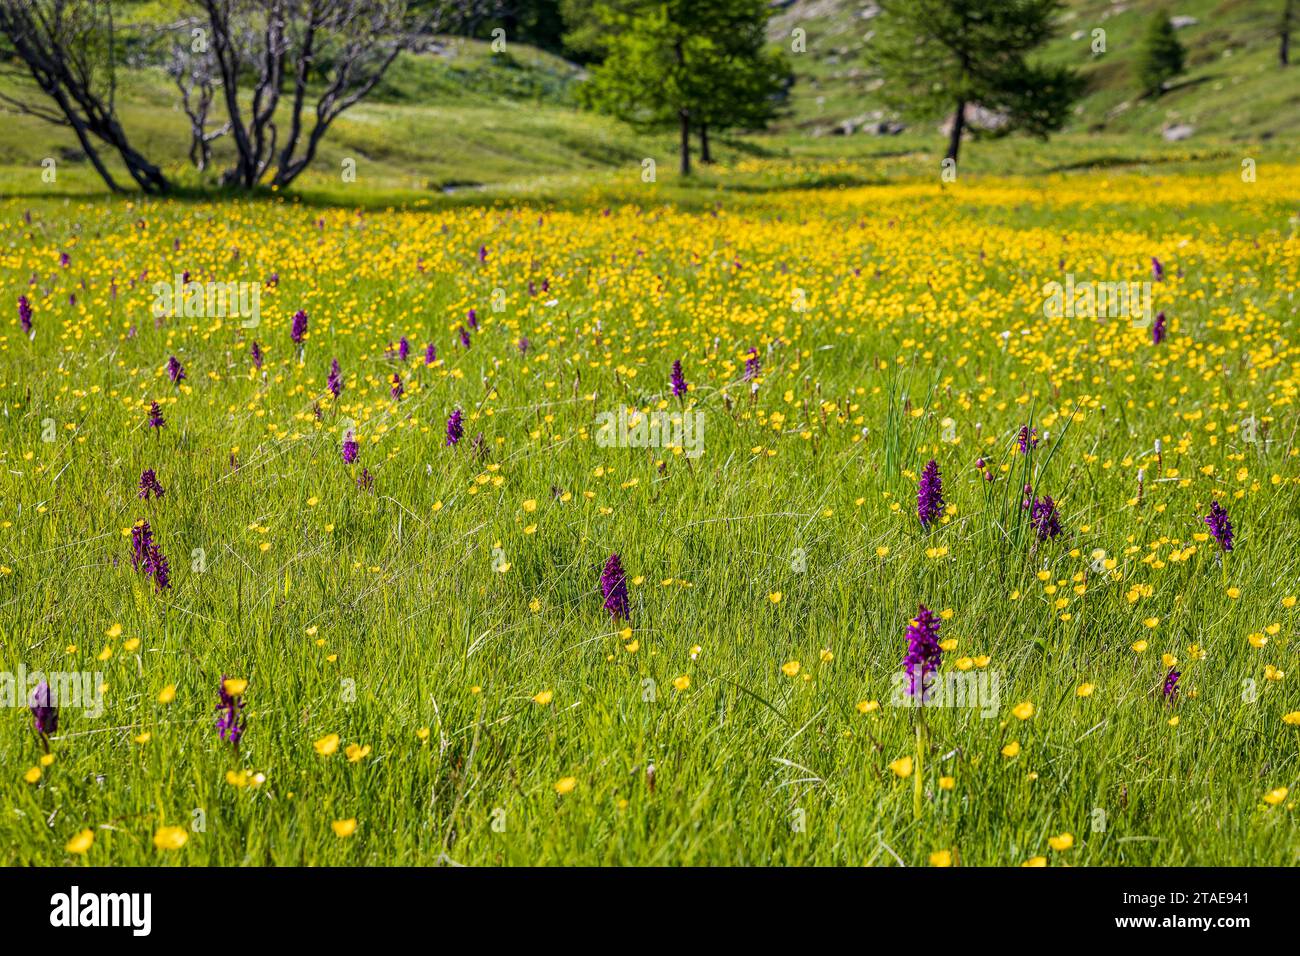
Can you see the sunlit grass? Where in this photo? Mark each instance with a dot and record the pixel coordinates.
(447, 624)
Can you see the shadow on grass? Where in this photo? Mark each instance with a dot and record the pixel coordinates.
(1109, 162)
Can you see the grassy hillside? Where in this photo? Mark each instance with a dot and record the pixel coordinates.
(1233, 88)
(457, 117)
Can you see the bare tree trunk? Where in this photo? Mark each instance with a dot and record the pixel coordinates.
(958, 126)
(1284, 48)
(705, 155)
(51, 43)
(685, 167)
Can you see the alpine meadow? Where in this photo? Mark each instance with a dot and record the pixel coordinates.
(649, 433)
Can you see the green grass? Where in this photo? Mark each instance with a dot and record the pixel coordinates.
(374, 614)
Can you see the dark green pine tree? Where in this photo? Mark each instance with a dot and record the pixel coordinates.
(940, 57)
(1162, 56)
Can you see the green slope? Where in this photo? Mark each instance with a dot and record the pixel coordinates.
(458, 116)
(1233, 90)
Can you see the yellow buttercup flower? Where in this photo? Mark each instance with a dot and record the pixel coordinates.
(170, 838)
(344, 828)
(328, 745)
(1062, 842)
(1023, 710)
(566, 785)
(902, 767)
(543, 697)
(81, 842)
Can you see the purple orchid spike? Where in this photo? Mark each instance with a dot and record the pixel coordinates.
(929, 495)
(454, 427)
(149, 485)
(299, 328)
(613, 586)
(1170, 690)
(1158, 329)
(230, 715)
(335, 381)
(1220, 526)
(923, 652)
(677, 379)
(1044, 518)
(45, 712)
